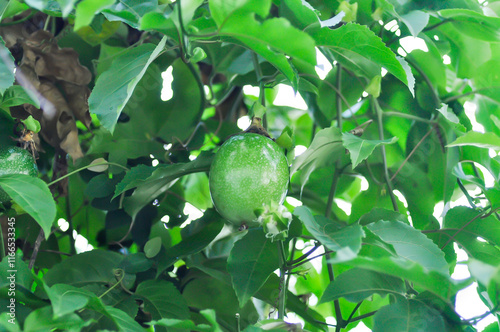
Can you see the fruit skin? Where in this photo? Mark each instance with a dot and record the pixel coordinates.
(249, 171)
(15, 160)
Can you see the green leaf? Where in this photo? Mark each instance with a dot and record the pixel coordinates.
(162, 299)
(152, 247)
(274, 39)
(408, 316)
(357, 284)
(17, 95)
(377, 214)
(473, 24)
(66, 6)
(435, 282)
(42, 320)
(66, 299)
(32, 124)
(416, 21)
(222, 9)
(346, 241)
(124, 74)
(251, 261)
(481, 140)
(448, 114)
(100, 186)
(87, 9)
(135, 263)
(33, 196)
(94, 266)
(360, 148)
(464, 226)
(6, 67)
(357, 48)
(411, 244)
(202, 232)
(325, 149)
(159, 182)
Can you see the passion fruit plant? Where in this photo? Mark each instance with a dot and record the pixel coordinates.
(390, 165)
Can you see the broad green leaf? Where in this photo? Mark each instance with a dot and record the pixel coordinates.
(42, 320)
(251, 261)
(325, 149)
(345, 241)
(131, 11)
(6, 68)
(6, 321)
(186, 324)
(87, 9)
(377, 214)
(162, 299)
(221, 10)
(407, 315)
(135, 263)
(487, 82)
(66, 6)
(473, 24)
(481, 140)
(124, 74)
(33, 196)
(435, 282)
(274, 40)
(148, 188)
(357, 284)
(94, 266)
(203, 231)
(448, 114)
(17, 95)
(357, 48)
(411, 244)
(133, 178)
(66, 299)
(100, 186)
(467, 53)
(465, 226)
(360, 148)
(122, 320)
(416, 21)
(97, 35)
(196, 190)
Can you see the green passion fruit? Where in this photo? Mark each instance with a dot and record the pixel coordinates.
(15, 160)
(249, 172)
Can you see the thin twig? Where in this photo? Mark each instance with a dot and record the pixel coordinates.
(36, 248)
(412, 152)
(384, 157)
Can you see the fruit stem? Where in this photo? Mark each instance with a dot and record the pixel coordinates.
(257, 128)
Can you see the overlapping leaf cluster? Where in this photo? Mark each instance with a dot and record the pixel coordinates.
(391, 141)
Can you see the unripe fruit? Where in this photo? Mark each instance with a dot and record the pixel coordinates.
(249, 172)
(15, 160)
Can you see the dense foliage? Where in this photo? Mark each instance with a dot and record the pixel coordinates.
(126, 102)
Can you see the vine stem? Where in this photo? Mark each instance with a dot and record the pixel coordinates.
(380, 124)
(260, 80)
(283, 288)
(85, 167)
